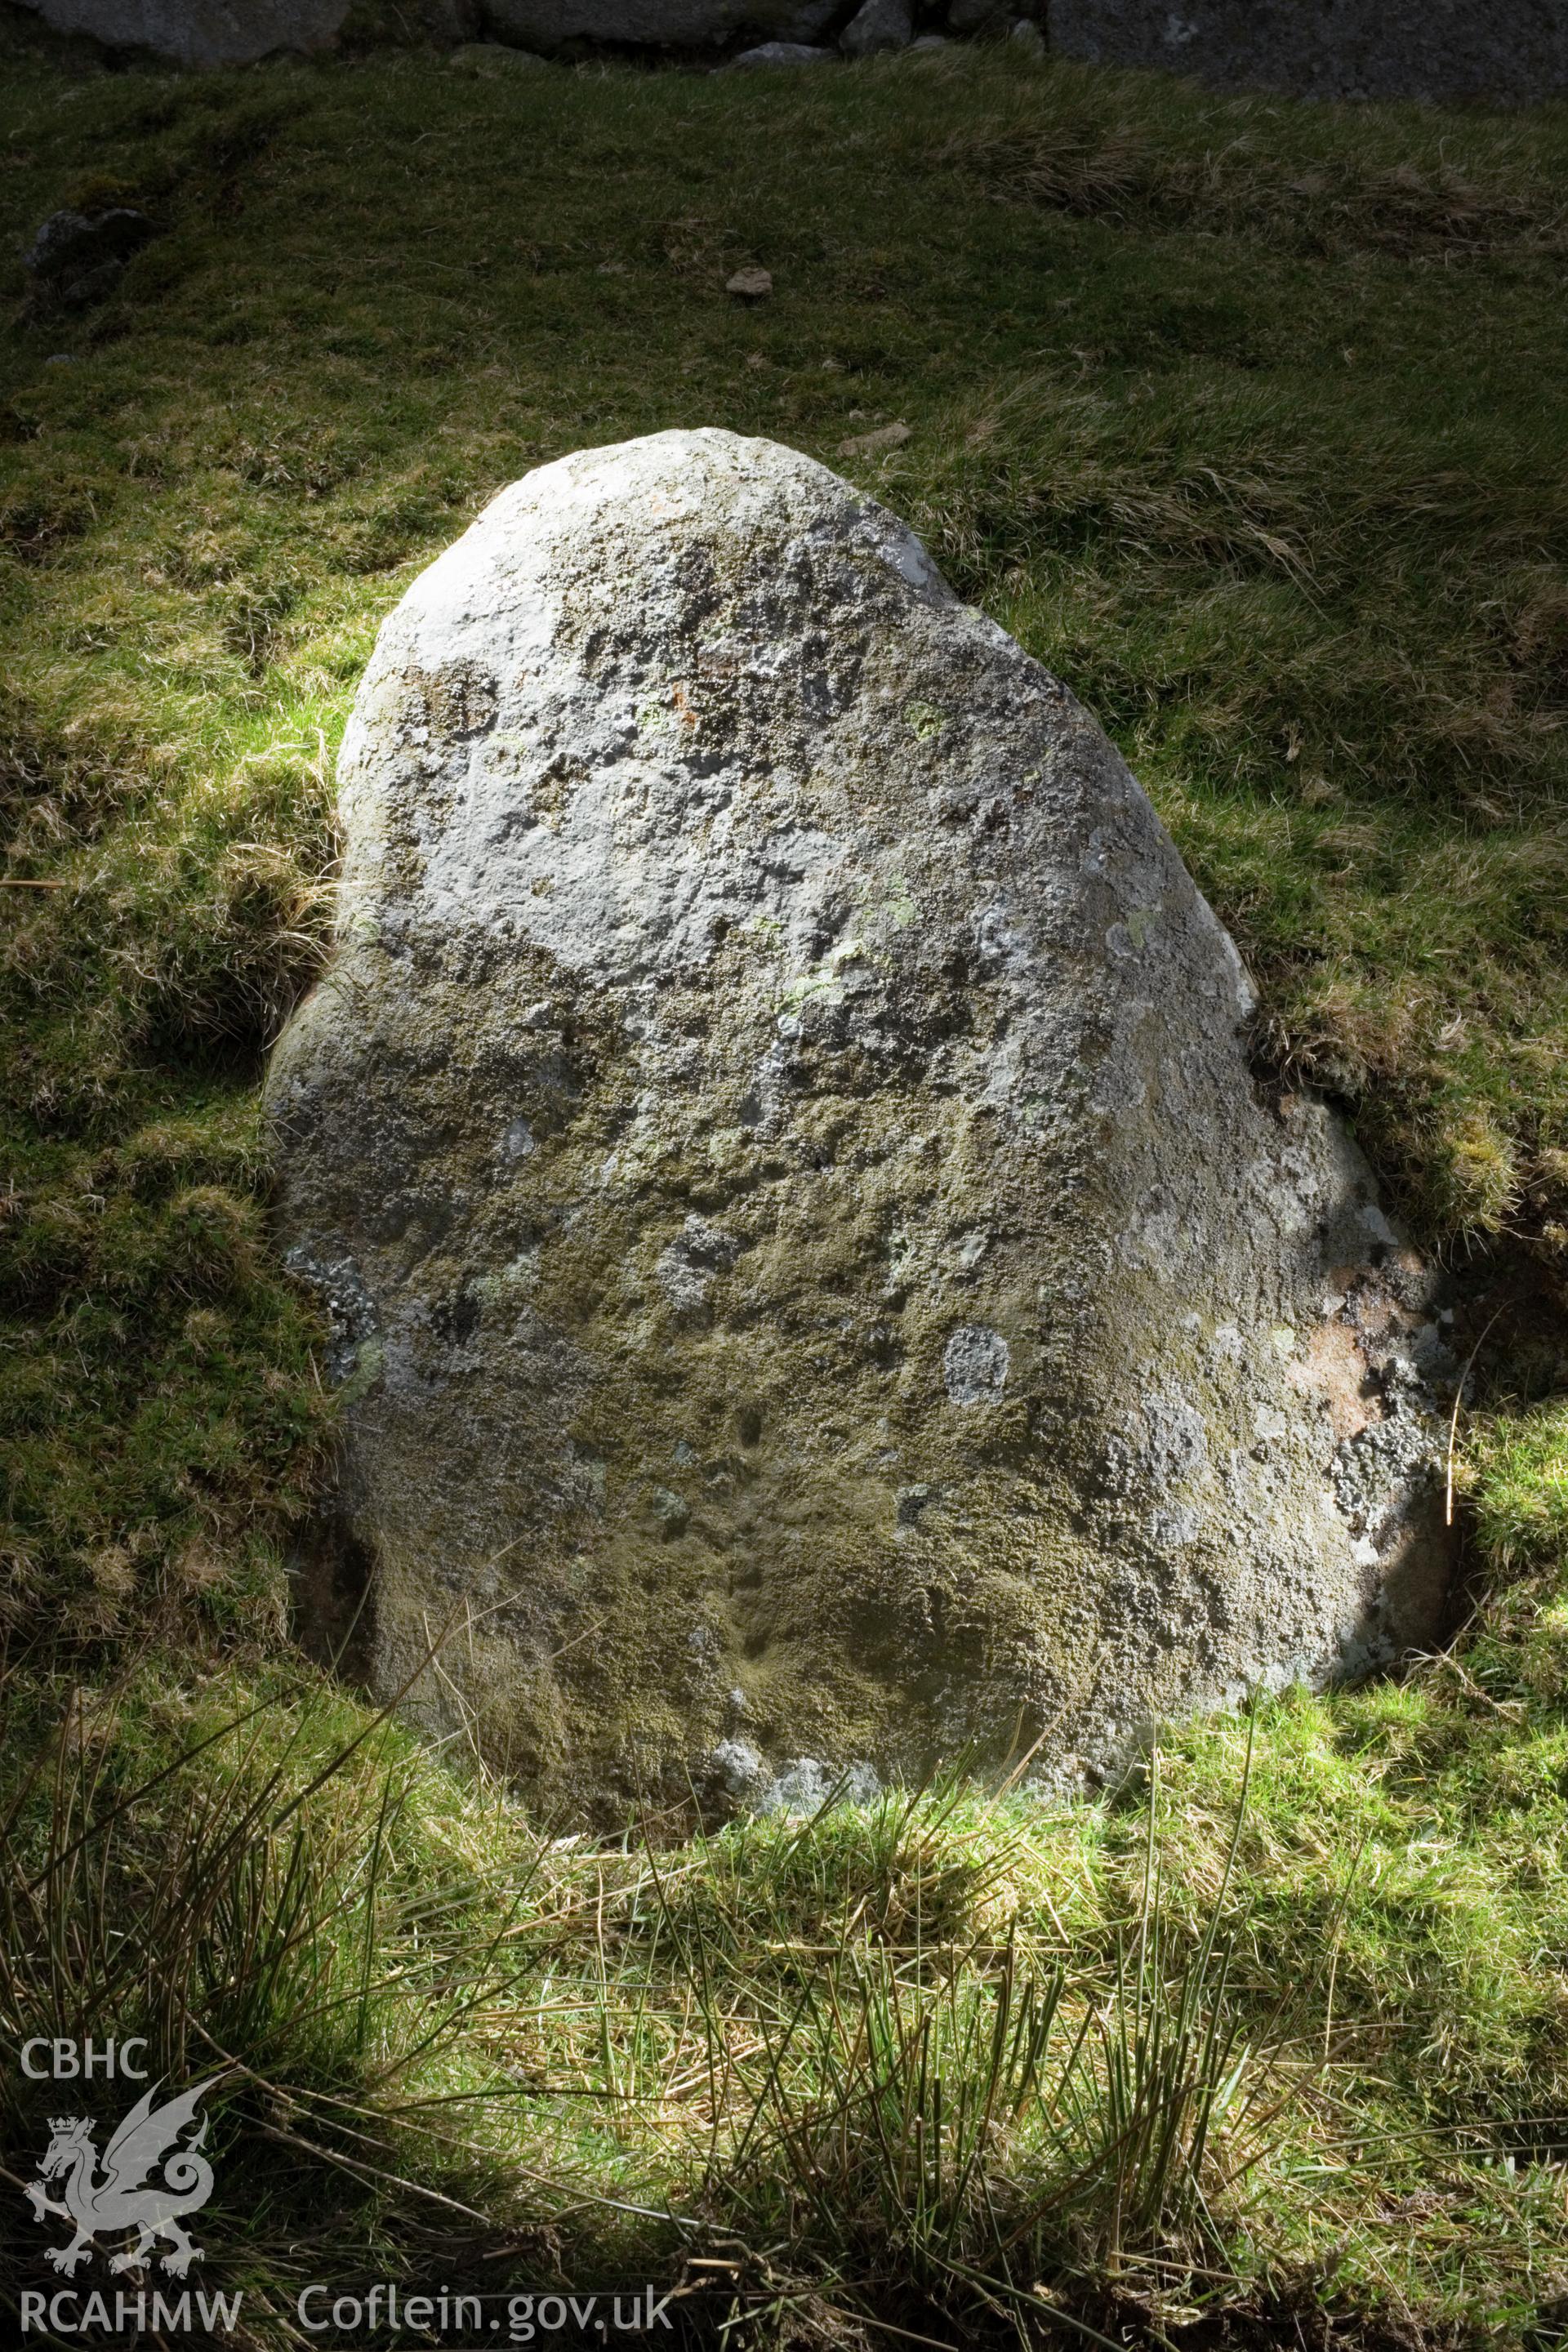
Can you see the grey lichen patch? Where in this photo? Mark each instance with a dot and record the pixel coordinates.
(814, 1301)
(687, 1267)
(354, 1353)
(975, 1365)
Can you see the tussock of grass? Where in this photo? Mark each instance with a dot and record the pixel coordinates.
(1093, 149)
(1518, 1471)
(291, 1904)
(1284, 2022)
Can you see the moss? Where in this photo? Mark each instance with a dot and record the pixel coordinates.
(712, 1551)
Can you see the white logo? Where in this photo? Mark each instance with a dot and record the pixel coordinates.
(121, 2197)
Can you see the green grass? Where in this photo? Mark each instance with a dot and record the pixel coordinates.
(1283, 2024)
(1250, 420)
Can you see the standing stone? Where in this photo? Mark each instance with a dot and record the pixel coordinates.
(813, 1275)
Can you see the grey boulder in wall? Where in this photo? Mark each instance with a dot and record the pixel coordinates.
(568, 25)
(239, 32)
(1449, 51)
(200, 32)
(813, 1276)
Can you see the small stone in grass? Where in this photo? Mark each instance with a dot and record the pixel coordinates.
(778, 53)
(750, 285)
(76, 258)
(491, 58)
(867, 445)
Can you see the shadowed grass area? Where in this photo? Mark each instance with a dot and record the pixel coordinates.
(1272, 2037)
(1249, 420)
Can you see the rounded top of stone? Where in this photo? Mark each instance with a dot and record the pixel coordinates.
(689, 483)
(680, 462)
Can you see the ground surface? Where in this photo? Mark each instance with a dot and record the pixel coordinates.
(1250, 420)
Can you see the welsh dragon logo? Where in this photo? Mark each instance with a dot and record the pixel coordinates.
(121, 2196)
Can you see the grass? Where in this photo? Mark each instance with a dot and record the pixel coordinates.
(1248, 419)
(1278, 2031)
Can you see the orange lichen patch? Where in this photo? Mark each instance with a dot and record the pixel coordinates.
(1332, 1366)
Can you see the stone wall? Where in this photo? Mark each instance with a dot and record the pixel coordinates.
(1446, 50)
(239, 32)
(199, 32)
(1512, 51)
